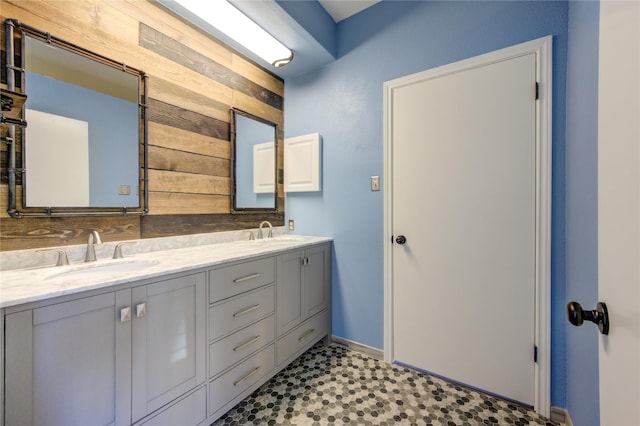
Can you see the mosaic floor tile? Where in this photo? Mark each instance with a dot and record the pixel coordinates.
(333, 385)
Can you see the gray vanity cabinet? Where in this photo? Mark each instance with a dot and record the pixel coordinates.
(303, 285)
(181, 350)
(303, 296)
(169, 342)
(61, 359)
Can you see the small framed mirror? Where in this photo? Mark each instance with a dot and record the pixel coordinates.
(254, 159)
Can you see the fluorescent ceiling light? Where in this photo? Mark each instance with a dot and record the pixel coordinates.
(226, 18)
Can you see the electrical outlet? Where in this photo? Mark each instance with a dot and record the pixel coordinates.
(291, 225)
(124, 190)
(375, 183)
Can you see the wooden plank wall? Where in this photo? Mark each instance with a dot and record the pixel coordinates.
(193, 82)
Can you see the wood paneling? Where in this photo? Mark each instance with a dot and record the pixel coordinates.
(184, 224)
(171, 115)
(178, 139)
(193, 82)
(177, 95)
(181, 203)
(174, 160)
(187, 183)
(172, 49)
(153, 14)
(19, 234)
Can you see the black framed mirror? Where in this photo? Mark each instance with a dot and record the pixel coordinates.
(254, 159)
(84, 146)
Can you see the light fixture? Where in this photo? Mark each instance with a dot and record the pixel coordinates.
(227, 19)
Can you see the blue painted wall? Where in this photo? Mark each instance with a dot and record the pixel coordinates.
(315, 20)
(582, 209)
(343, 101)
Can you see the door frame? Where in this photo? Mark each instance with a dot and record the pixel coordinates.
(543, 49)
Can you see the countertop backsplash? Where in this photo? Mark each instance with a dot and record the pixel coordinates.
(19, 259)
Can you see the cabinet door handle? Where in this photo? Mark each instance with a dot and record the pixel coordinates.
(245, 344)
(305, 335)
(125, 314)
(246, 311)
(246, 278)
(251, 373)
(141, 310)
(306, 260)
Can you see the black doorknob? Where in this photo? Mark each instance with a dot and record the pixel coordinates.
(401, 239)
(599, 316)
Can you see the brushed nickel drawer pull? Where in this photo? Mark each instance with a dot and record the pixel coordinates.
(246, 278)
(251, 373)
(245, 344)
(246, 311)
(305, 335)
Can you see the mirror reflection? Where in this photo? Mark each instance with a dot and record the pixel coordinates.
(82, 141)
(254, 163)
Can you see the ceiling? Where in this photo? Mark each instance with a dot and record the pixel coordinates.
(342, 9)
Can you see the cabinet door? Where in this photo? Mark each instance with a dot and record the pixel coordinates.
(315, 288)
(169, 352)
(61, 361)
(289, 291)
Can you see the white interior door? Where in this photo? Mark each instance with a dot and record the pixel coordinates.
(465, 195)
(619, 211)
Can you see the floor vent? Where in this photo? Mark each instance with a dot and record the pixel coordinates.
(560, 415)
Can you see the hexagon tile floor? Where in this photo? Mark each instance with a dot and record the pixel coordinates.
(333, 385)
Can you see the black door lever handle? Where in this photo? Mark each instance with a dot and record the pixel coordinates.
(598, 316)
(401, 239)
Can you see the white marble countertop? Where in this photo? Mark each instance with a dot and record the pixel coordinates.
(20, 286)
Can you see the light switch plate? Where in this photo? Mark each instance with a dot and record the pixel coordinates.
(124, 190)
(375, 183)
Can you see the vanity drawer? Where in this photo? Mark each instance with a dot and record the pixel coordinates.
(236, 279)
(226, 352)
(303, 336)
(231, 384)
(240, 311)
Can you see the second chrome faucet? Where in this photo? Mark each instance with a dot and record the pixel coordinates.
(94, 238)
(265, 222)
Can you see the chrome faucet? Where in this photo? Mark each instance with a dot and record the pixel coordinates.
(117, 252)
(94, 238)
(63, 259)
(260, 236)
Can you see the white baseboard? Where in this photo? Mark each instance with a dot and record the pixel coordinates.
(359, 347)
(560, 415)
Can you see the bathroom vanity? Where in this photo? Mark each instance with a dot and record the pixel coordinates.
(166, 337)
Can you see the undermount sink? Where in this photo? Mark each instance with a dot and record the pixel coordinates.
(111, 268)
